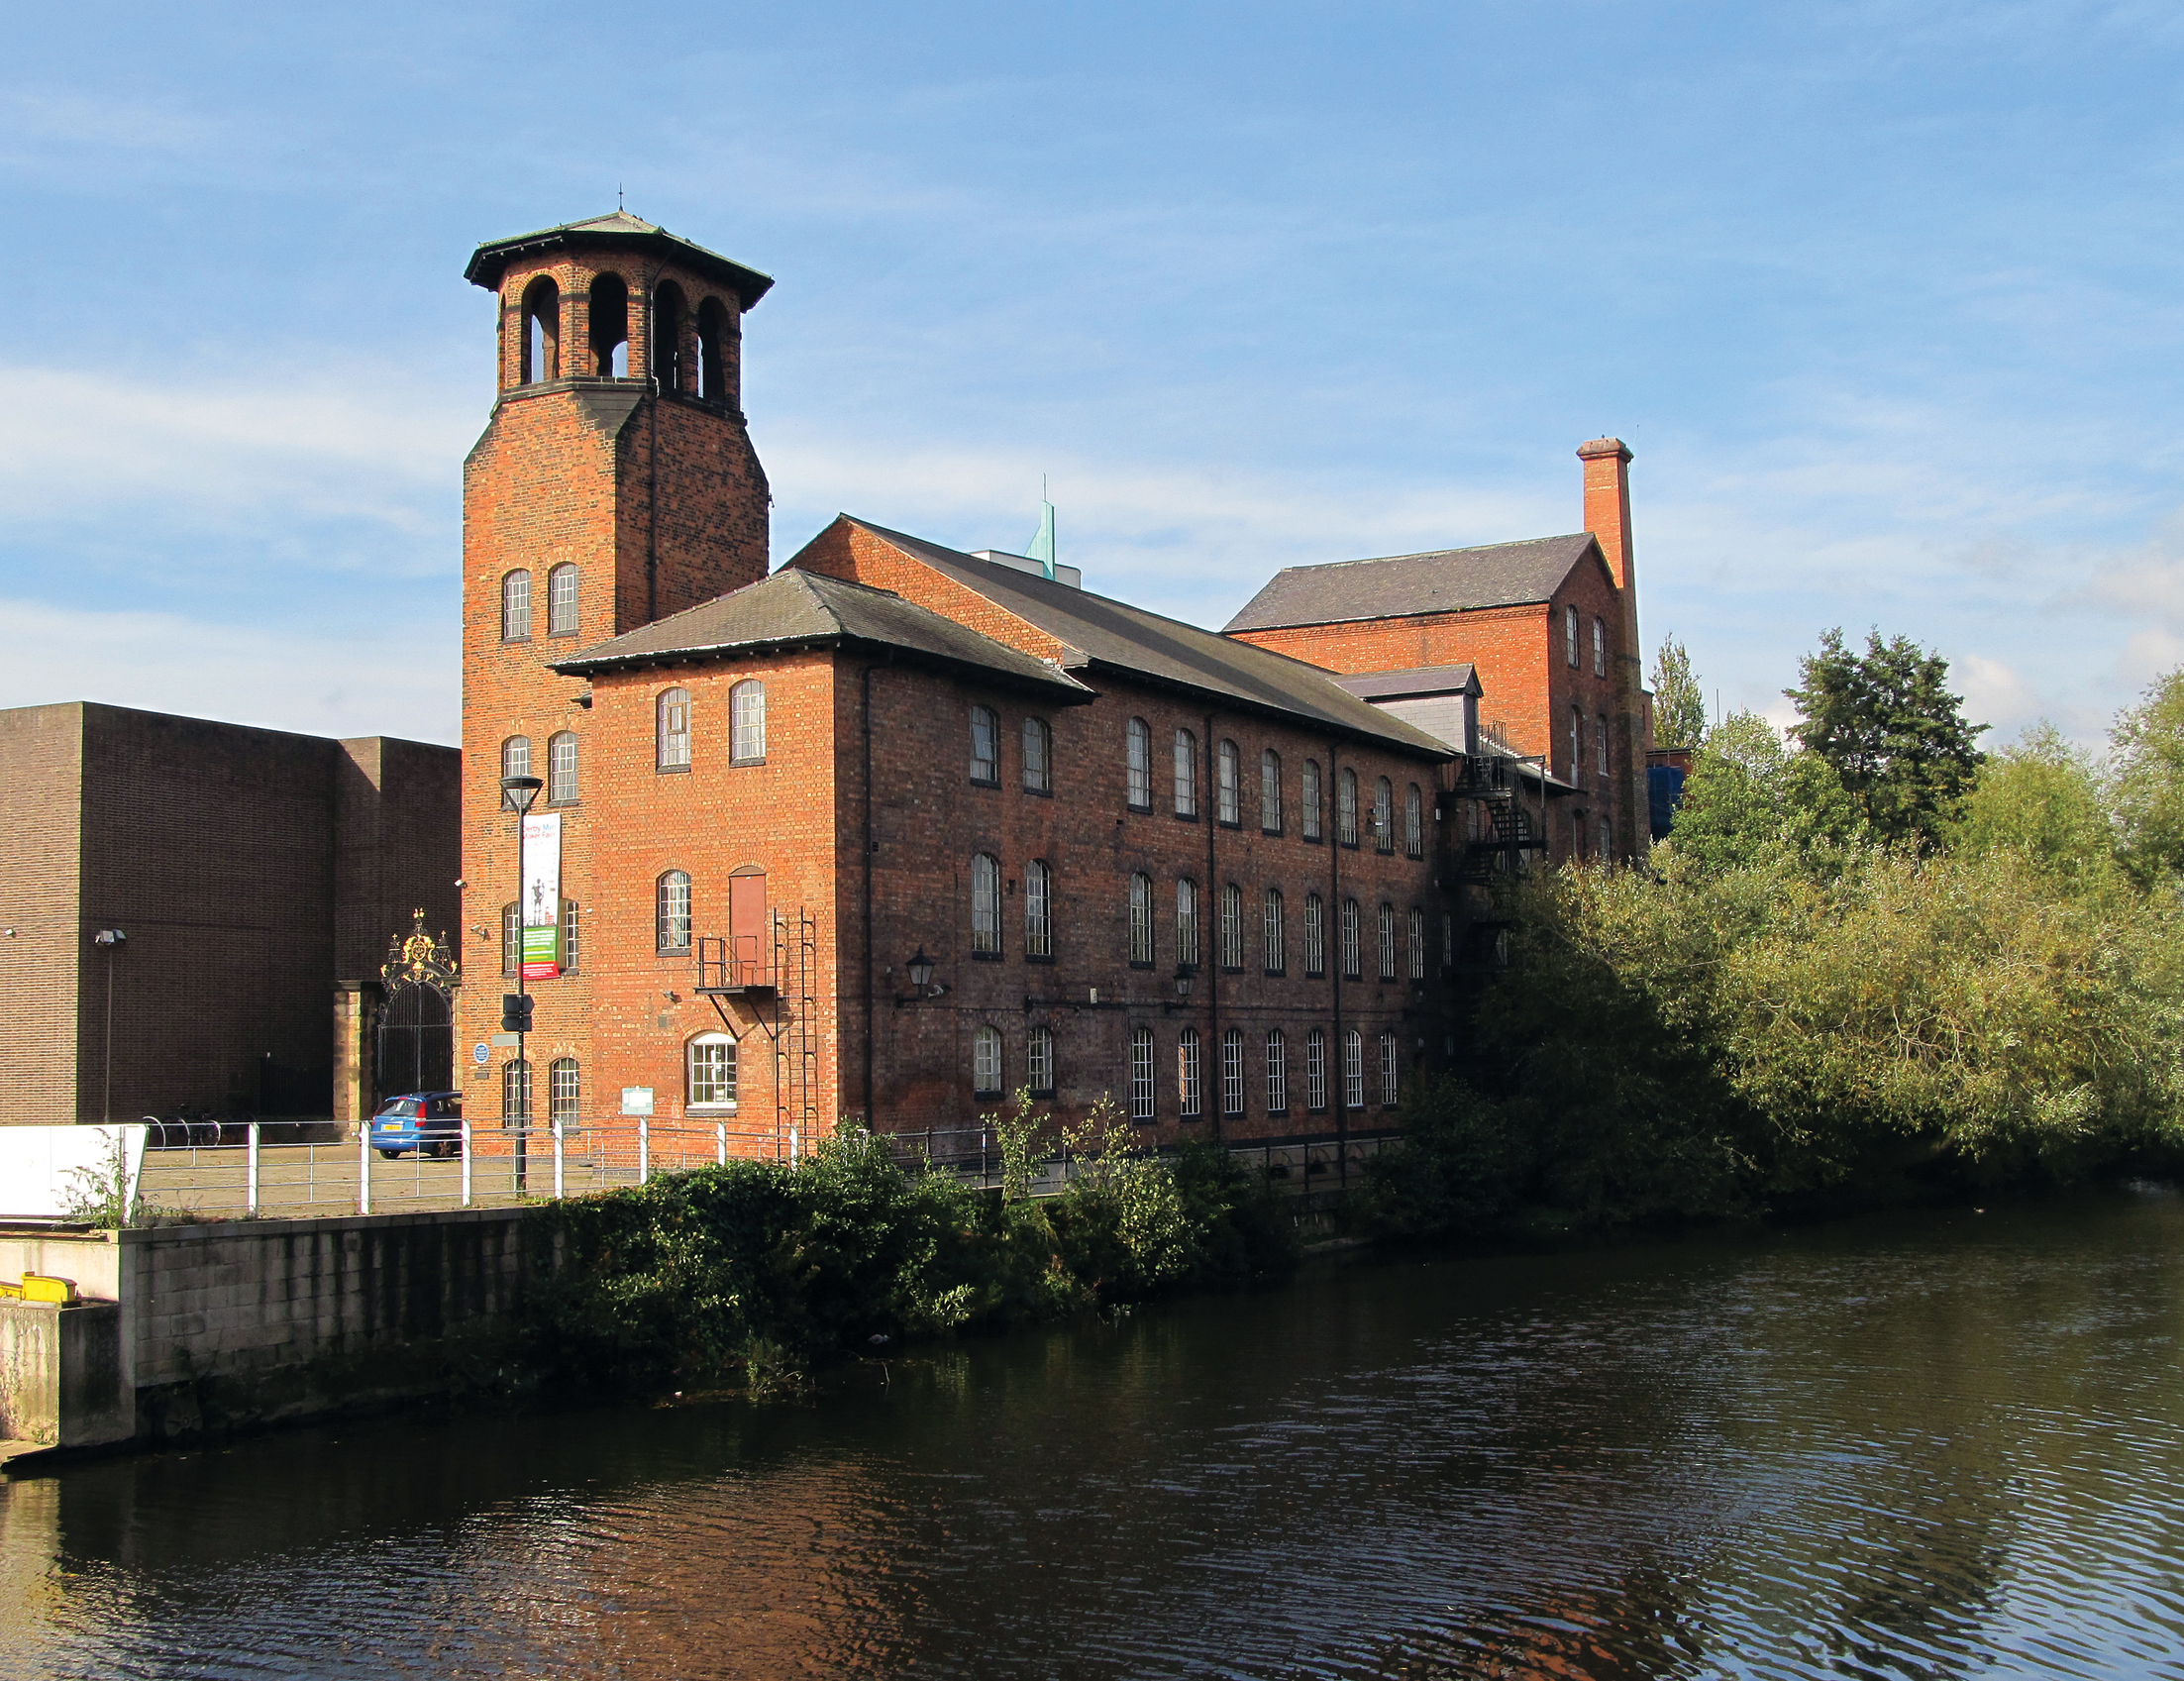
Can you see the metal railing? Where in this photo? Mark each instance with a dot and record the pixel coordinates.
(298, 1168)
(289, 1169)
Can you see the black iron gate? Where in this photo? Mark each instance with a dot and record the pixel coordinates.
(415, 1049)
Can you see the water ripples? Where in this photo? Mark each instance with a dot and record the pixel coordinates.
(1930, 1446)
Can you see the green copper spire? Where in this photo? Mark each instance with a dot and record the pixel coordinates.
(1042, 545)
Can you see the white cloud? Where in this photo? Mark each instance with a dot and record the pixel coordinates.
(363, 444)
(256, 675)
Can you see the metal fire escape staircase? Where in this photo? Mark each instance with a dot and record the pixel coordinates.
(774, 977)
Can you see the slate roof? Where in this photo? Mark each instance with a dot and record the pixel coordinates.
(1105, 633)
(796, 610)
(617, 230)
(1417, 680)
(1440, 581)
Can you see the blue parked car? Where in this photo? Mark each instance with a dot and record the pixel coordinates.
(429, 1123)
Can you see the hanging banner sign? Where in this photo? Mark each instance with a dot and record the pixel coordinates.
(542, 896)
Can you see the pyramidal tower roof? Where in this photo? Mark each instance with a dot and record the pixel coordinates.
(616, 230)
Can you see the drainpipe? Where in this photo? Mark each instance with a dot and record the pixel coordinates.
(1337, 1047)
(1212, 887)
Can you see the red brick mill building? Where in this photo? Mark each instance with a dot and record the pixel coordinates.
(898, 830)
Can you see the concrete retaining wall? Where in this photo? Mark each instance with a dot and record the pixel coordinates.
(255, 1320)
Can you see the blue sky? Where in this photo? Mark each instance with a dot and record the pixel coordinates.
(1884, 296)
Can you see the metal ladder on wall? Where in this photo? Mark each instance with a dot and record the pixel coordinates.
(795, 1038)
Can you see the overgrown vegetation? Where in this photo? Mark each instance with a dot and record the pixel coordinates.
(757, 1270)
(1869, 960)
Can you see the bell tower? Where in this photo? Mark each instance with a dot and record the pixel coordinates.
(614, 484)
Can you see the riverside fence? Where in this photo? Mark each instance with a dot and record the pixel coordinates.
(285, 1169)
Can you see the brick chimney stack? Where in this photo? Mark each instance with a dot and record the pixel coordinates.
(1607, 517)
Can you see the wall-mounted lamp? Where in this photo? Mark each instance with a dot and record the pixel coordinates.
(922, 983)
(1185, 973)
(109, 937)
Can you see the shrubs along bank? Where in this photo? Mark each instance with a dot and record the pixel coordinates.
(1869, 962)
(756, 1271)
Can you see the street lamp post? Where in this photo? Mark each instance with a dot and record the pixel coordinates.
(517, 795)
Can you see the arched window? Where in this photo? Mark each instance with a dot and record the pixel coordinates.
(609, 327)
(710, 1084)
(1310, 799)
(1038, 756)
(1414, 823)
(747, 722)
(1141, 1073)
(512, 939)
(667, 336)
(1352, 962)
(564, 1091)
(1270, 792)
(1038, 910)
(572, 936)
(673, 901)
(1232, 1072)
(515, 1091)
(1232, 926)
(1187, 773)
(1228, 779)
(1141, 921)
(1600, 744)
(561, 601)
(1278, 1072)
(713, 331)
(1187, 921)
(1186, 1071)
(1384, 816)
(1276, 938)
(515, 756)
(1315, 1070)
(1039, 1062)
(1390, 1075)
(561, 768)
(1417, 945)
(1577, 748)
(1386, 942)
(985, 905)
(1600, 648)
(674, 733)
(1570, 635)
(1315, 935)
(541, 350)
(986, 747)
(1140, 773)
(985, 1062)
(515, 607)
(1353, 1069)
(1346, 808)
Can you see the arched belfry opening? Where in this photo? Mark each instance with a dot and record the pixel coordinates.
(539, 355)
(713, 333)
(667, 317)
(611, 326)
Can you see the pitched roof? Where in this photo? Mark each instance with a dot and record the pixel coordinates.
(1105, 633)
(1417, 680)
(793, 609)
(617, 230)
(1440, 581)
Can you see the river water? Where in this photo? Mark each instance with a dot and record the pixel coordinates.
(1924, 1446)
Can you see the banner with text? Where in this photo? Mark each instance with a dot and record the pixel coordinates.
(542, 896)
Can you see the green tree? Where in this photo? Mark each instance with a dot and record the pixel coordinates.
(1894, 736)
(2041, 798)
(1751, 799)
(1679, 709)
(2146, 782)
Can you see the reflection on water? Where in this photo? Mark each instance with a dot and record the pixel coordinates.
(1932, 1446)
